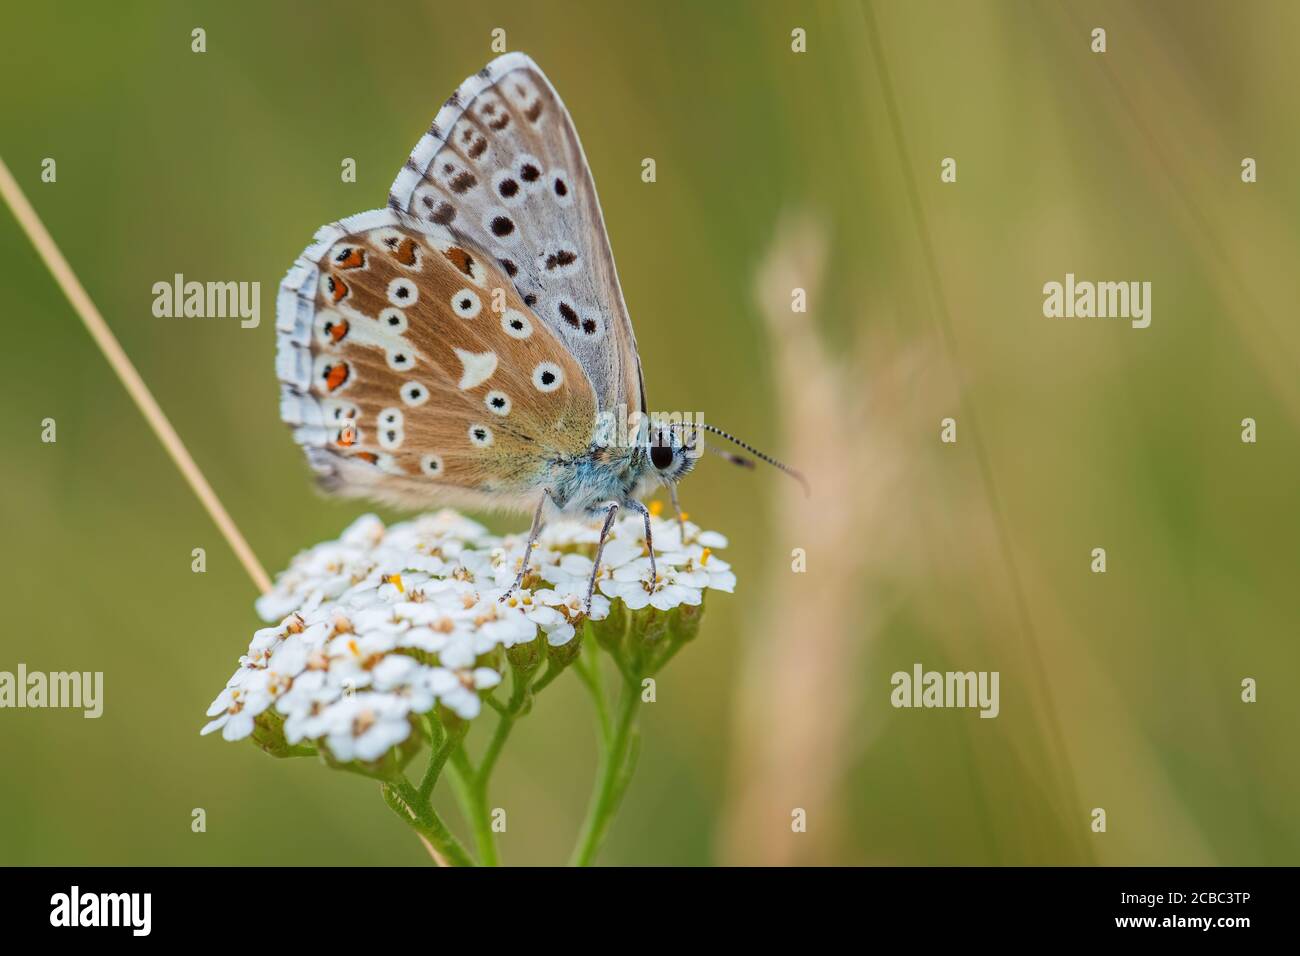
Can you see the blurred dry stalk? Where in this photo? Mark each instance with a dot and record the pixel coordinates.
(847, 420)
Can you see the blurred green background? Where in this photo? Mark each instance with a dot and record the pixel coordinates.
(1118, 691)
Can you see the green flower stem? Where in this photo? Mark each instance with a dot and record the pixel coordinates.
(444, 744)
(551, 673)
(472, 799)
(666, 655)
(406, 801)
(588, 667)
(616, 764)
(471, 784)
(519, 699)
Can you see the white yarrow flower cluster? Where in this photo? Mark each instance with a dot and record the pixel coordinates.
(389, 622)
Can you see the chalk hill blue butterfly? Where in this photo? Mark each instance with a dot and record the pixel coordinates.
(469, 344)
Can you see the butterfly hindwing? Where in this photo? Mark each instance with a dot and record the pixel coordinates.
(413, 371)
(502, 167)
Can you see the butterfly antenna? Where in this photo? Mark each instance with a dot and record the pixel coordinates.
(735, 459)
(796, 475)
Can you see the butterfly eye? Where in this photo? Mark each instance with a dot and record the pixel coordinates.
(399, 360)
(497, 402)
(480, 436)
(391, 418)
(661, 456)
(431, 465)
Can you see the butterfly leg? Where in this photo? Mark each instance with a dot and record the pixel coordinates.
(533, 533)
(600, 549)
(649, 538)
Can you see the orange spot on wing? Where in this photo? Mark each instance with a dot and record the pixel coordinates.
(338, 288)
(352, 258)
(460, 259)
(336, 375)
(405, 252)
(336, 330)
(367, 456)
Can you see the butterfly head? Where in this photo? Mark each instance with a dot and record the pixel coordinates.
(670, 454)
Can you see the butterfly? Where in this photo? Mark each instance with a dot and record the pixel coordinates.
(469, 345)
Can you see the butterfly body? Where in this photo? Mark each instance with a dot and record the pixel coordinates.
(604, 474)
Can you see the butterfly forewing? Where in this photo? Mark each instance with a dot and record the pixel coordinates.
(502, 167)
(413, 371)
